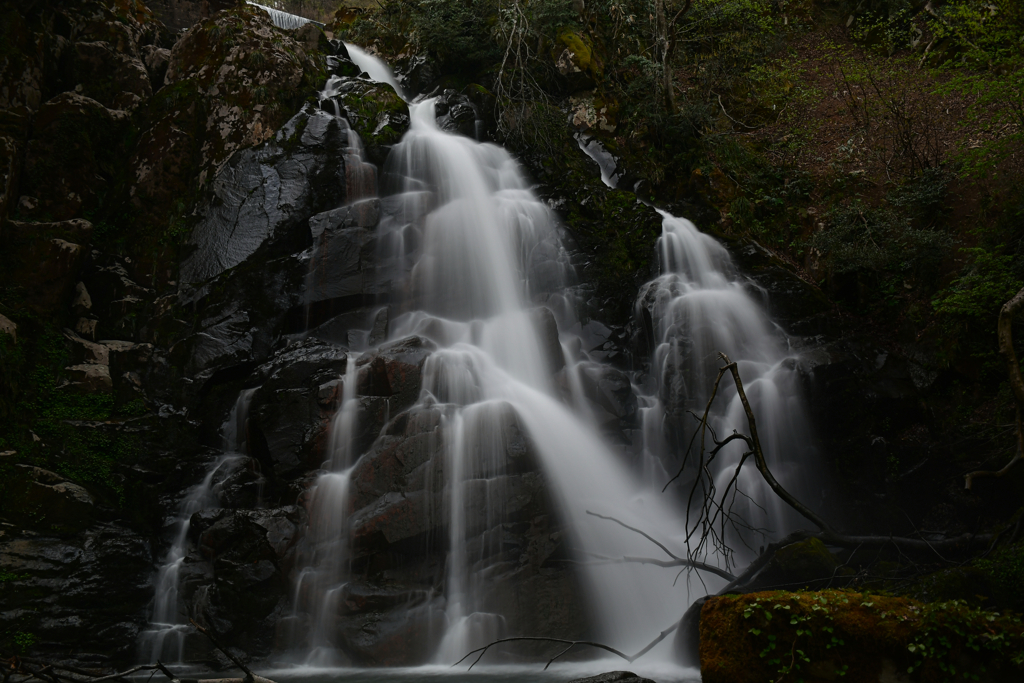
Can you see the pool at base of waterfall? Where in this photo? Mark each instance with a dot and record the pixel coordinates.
(534, 673)
(659, 672)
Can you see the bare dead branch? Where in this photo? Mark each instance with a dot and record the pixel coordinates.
(638, 531)
(571, 643)
(121, 675)
(762, 465)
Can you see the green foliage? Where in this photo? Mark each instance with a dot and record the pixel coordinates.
(88, 455)
(898, 237)
(11, 576)
(987, 282)
(860, 237)
(1005, 569)
(989, 30)
(23, 640)
(888, 26)
(457, 33)
(791, 632)
(996, 97)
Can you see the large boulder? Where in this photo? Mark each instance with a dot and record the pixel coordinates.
(250, 75)
(230, 83)
(39, 499)
(236, 577)
(290, 415)
(268, 194)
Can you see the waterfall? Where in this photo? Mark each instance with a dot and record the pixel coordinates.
(373, 67)
(467, 243)
(476, 266)
(696, 308)
(317, 590)
(165, 638)
(284, 19)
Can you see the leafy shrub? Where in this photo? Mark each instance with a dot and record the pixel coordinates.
(987, 282)
(898, 237)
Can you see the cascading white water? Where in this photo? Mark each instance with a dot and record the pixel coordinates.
(373, 67)
(284, 19)
(475, 259)
(165, 639)
(697, 308)
(319, 585)
(468, 242)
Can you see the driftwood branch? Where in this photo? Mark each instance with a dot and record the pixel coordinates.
(1005, 331)
(250, 677)
(570, 644)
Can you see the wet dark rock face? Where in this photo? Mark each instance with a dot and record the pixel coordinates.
(266, 195)
(237, 572)
(77, 595)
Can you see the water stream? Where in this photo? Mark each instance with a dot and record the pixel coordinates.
(476, 255)
(165, 638)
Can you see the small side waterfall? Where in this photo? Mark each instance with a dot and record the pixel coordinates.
(698, 307)
(284, 19)
(165, 639)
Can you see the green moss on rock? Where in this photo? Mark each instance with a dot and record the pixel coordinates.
(859, 637)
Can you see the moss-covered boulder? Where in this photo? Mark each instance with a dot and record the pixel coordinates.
(822, 636)
(231, 82)
(248, 76)
(578, 60)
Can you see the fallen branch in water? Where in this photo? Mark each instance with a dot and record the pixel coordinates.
(570, 644)
(18, 669)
